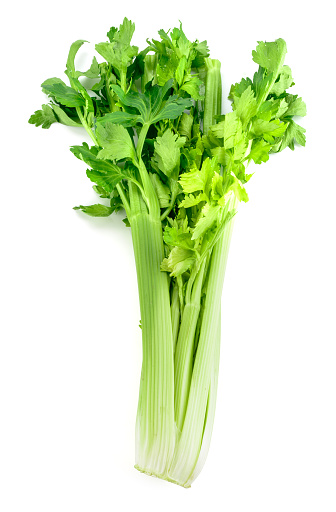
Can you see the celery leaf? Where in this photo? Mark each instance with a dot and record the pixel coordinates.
(115, 141)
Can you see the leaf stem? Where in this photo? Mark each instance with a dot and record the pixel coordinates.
(93, 137)
(148, 189)
(169, 208)
(133, 180)
(124, 200)
(141, 140)
(86, 126)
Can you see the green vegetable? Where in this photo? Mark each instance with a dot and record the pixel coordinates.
(163, 152)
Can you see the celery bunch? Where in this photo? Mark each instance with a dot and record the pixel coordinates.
(163, 152)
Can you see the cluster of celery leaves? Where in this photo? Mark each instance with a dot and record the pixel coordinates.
(163, 152)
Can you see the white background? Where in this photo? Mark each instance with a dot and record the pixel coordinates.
(70, 343)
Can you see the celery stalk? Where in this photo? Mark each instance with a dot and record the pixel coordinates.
(155, 428)
(213, 93)
(189, 444)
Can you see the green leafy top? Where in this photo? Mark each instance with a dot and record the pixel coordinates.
(148, 107)
(179, 59)
(144, 113)
(118, 51)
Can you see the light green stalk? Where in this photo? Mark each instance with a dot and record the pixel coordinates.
(155, 427)
(213, 93)
(196, 381)
(211, 408)
(184, 353)
(197, 421)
